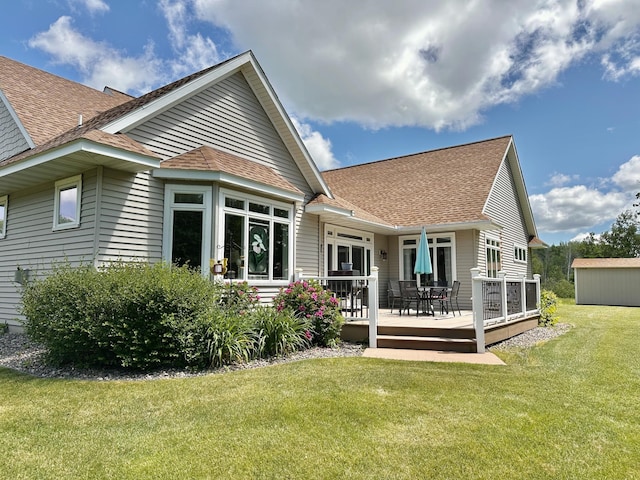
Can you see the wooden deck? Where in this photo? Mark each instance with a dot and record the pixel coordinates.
(442, 332)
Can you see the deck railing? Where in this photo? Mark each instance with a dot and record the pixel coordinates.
(357, 296)
(501, 299)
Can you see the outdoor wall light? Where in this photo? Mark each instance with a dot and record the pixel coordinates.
(383, 254)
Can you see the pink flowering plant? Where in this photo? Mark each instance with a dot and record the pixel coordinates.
(307, 299)
(239, 297)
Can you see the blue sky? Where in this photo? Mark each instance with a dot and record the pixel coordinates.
(368, 80)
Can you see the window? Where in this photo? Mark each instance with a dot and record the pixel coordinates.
(3, 216)
(344, 245)
(494, 263)
(187, 237)
(442, 253)
(256, 237)
(519, 253)
(66, 211)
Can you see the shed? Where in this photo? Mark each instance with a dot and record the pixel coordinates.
(607, 281)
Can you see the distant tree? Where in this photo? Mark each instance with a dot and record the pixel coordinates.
(624, 238)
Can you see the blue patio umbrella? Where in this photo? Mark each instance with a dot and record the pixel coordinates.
(423, 259)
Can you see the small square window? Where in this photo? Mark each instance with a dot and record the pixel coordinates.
(3, 216)
(66, 211)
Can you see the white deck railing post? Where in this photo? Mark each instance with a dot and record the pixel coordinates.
(536, 277)
(476, 302)
(523, 294)
(502, 276)
(373, 308)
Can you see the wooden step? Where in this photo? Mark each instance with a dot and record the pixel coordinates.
(462, 345)
(404, 331)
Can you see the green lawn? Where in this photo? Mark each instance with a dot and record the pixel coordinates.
(568, 409)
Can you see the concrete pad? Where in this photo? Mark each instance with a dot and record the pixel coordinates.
(486, 358)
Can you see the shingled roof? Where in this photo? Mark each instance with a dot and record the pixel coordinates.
(606, 263)
(451, 184)
(48, 105)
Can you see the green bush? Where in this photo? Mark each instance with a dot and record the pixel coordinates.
(226, 338)
(563, 288)
(308, 300)
(548, 308)
(132, 315)
(238, 297)
(279, 332)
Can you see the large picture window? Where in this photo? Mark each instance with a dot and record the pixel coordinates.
(256, 237)
(442, 253)
(66, 211)
(347, 246)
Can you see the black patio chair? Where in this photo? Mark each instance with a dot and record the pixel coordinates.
(394, 294)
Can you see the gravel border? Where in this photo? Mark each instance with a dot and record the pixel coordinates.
(19, 353)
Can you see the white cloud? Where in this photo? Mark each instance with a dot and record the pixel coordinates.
(561, 179)
(567, 209)
(100, 64)
(319, 147)
(93, 6)
(194, 52)
(424, 62)
(628, 175)
(584, 235)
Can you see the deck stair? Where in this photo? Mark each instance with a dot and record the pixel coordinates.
(421, 338)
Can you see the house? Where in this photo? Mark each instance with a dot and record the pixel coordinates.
(607, 281)
(210, 167)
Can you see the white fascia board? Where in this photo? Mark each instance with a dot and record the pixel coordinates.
(446, 227)
(320, 209)
(136, 117)
(15, 118)
(78, 146)
(226, 178)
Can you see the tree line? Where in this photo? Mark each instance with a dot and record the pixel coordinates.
(553, 264)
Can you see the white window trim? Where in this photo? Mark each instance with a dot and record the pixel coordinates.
(433, 237)
(498, 248)
(332, 236)
(519, 246)
(246, 213)
(60, 185)
(170, 206)
(4, 200)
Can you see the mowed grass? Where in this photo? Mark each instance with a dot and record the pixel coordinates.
(567, 409)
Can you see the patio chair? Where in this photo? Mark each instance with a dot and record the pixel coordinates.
(410, 296)
(394, 294)
(441, 296)
(449, 298)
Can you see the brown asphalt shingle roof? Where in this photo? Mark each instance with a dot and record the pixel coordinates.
(448, 185)
(606, 263)
(48, 105)
(213, 160)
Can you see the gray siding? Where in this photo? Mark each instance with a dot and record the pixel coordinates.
(228, 116)
(503, 206)
(32, 244)
(12, 140)
(607, 286)
(308, 235)
(131, 216)
(466, 259)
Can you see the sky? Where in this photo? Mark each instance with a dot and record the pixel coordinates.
(366, 80)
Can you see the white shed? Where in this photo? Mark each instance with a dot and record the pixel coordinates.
(607, 281)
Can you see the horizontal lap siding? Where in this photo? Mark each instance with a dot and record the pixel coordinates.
(131, 216)
(229, 116)
(466, 259)
(504, 208)
(31, 243)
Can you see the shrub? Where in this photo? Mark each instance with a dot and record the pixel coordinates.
(279, 332)
(132, 315)
(308, 300)
(226, 338)
(548, 308)
(563, 288)
(238, 297)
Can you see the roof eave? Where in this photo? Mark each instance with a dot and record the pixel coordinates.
(228, 179)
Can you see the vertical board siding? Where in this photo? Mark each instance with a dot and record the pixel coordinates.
(608, 286)
(228, 116)
(32, 244)
(12, 140)
(503, 206)
(131, 216)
